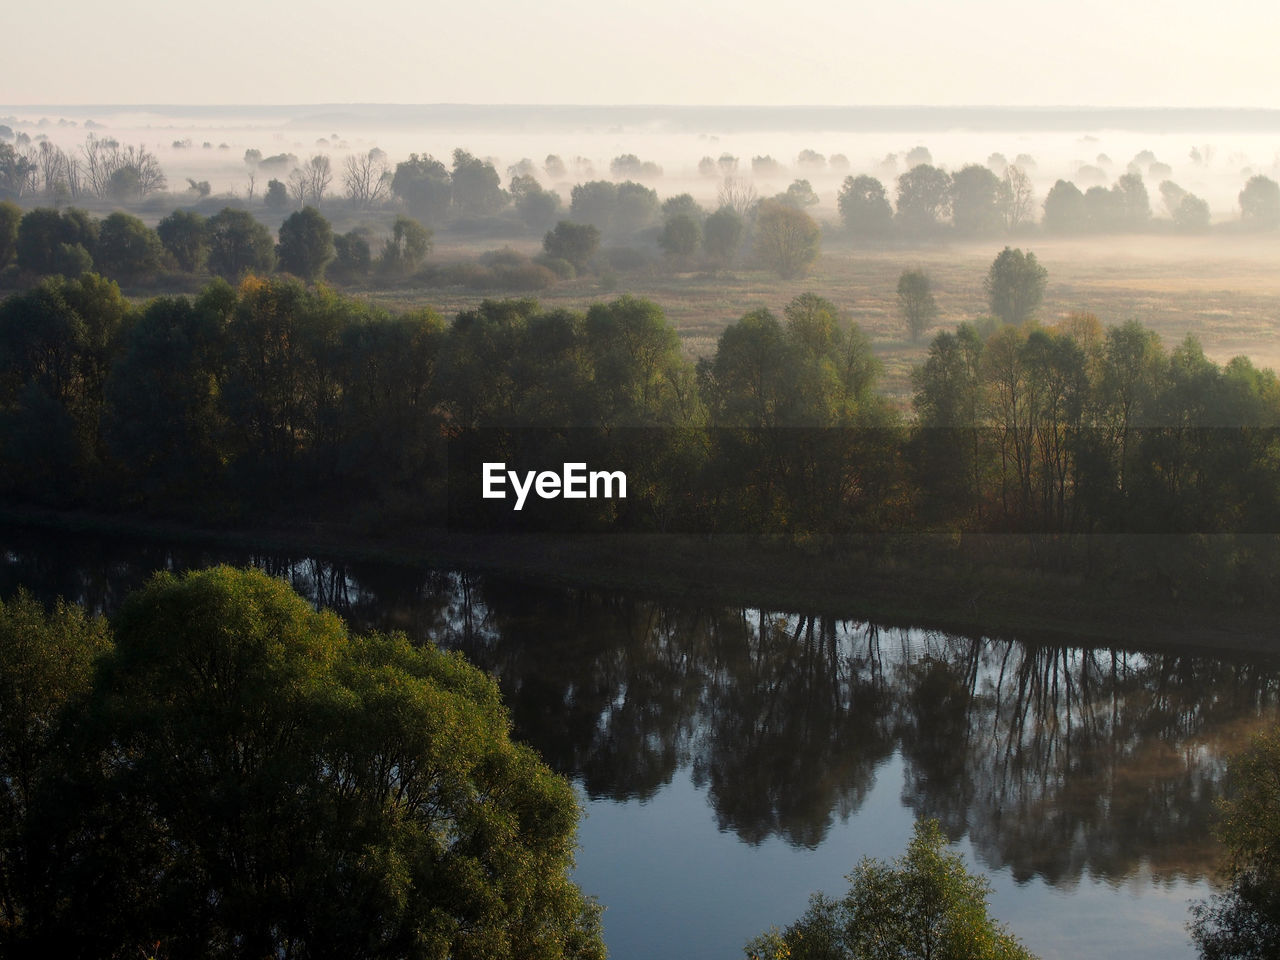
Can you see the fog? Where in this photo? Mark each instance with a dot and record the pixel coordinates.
(1209, 153)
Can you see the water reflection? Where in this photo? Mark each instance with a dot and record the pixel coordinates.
(1055, 761)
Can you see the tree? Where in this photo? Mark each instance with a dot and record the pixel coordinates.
(1017, 198)
(738, 194)
(422, 182)
(306, 244)
(1260, 202)
(1015, 285)
(786, 239)
(594, 202)
(977, 202)
(574, 243)
(250, 779)
(799, 195)
(1243, 923)
(681, 236)
(864, 207)
(1132, 201)
(184, 235)
(721, 235)
(46, 667)
(924, 200)
(477, 188)
(637, 208)
(10, 218)
(352, 258)
(309, 182)
(408, 246)
(915, 300)
(239, 244)
(923, 906)
(1064, 210)
(1191, 215)
(277, 195)
(127, 248)
(366, 178)
(51, 242)
(537, 208)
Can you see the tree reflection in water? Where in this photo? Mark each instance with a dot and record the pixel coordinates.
(1055, 761)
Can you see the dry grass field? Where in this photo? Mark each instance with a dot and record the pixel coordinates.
(1224, 288)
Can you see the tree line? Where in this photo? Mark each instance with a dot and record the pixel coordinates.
(249, 398)
(975, 202)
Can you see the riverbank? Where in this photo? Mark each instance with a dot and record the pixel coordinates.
(976, 584)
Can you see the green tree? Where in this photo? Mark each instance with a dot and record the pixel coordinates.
(306, 244)
(1132, 201)
(1243, 922)
(128, 249)
(10, 218)
(537, 208)
(352, 258)
(977, 202)
(184, 234)
(239, 244)
(1064, 210)
(407, 247)
(681, 236)
(722, 235)
(923, 906)
(52, 242)
(915, 301)
(276, 196)
(1260, 202)
(787, 240)
(477, 188)
(249, 779)
(423, 183)
(575, 243)
(864, 207)
(1015, 285)
(924, 200)
(46, 667)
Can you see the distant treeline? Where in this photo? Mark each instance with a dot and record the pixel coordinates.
(275, 399)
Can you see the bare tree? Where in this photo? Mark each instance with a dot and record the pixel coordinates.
(739, 194)
(253, 184)
(1018, 198)
(107, 164)
(366, 178)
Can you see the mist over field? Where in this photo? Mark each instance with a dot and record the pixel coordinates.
(1207, 152)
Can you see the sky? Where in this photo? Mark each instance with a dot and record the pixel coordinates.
(844, 52)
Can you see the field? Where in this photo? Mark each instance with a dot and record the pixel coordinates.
(1223, 288)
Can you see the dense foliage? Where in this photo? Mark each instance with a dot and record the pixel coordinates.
(274, 398)
(248, 779)
(1243, 922)
(924, 905)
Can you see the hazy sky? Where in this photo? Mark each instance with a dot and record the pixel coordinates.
(1085, 52)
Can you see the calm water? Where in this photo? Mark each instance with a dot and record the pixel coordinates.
(734, 760)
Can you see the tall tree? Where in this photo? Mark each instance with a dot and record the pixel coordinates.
(864, 207)
(1015, 285)
(306, 244)
(786, 240)
(915, 301)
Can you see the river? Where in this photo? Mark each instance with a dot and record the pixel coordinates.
(733, 760)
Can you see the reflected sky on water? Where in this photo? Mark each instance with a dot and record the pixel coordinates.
(734, 760)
